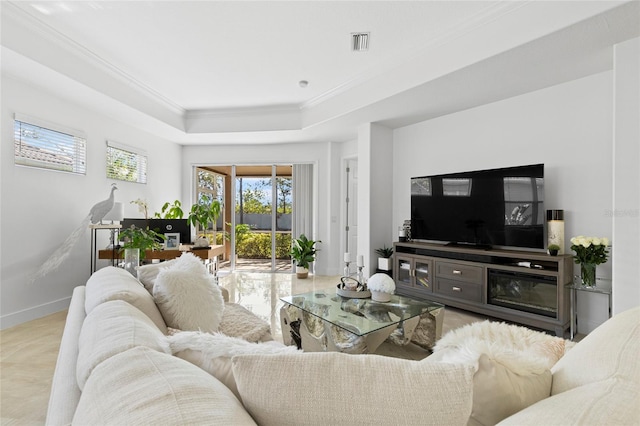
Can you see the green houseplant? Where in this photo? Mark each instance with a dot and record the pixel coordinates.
(303, 252)
(201, 215)
(553, 249)
(384, 261)
(171, 211)
(141, 239)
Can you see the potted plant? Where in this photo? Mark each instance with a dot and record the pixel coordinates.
(136, 241)
(553, 249)
(142, 239)
(303, 252)
(590, 252)
(200, 215)
(384, 261)
(171, 211)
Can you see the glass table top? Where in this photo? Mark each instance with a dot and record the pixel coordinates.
(359, 316)
(603, 285)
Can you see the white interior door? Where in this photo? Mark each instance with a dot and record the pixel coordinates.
(351, 209)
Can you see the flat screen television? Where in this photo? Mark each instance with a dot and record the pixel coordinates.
(485, 208)
(162, 226)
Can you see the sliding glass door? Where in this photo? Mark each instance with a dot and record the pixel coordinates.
(263, 208)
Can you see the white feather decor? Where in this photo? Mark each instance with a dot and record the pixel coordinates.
(96, 213)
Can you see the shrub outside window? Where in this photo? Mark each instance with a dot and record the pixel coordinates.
(126, 163)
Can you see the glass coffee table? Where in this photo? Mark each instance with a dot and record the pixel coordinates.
(322, 320)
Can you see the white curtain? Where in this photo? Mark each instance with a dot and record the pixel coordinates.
(302, 200)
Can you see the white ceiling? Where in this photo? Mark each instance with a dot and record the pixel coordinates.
(228, 72)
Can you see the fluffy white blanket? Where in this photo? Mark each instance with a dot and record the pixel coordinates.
(216, 345)
(520, 349)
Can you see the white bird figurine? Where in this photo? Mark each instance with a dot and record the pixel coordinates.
(96, 214)
(100, 210)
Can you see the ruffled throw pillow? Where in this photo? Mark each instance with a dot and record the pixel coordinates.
(188, 297)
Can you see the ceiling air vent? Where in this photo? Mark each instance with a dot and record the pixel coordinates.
(359, 42)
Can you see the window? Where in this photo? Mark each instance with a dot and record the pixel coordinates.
(126, 163)
(48, 146)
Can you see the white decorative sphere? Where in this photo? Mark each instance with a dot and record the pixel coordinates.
(382, 283)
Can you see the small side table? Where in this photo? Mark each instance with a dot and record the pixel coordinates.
(603, 286)
(114, 229)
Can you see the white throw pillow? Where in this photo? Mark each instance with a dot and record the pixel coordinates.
(189, 262)
(512, 366)
(213, 352)
(334, 388)
(145, 387)
(147, 274)
(188, 299)
(238, 321)
(612, 401)
(113, 283)
(610, 350)
(111, 328)
(498, 392)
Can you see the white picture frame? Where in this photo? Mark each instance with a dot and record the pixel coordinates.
(172, 241)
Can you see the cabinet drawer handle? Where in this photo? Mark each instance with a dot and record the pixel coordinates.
(456, 289)
(457, 272)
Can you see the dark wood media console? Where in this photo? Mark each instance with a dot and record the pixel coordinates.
(518, 286)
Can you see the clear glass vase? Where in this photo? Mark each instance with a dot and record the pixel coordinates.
(132, 260)
(588, 274)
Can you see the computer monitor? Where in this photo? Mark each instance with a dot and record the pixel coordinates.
(162, 226)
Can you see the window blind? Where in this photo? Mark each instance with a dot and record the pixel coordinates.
(126, 163)
(48, 146)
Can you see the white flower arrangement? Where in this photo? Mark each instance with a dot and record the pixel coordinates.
(382, 283)
(590, 249)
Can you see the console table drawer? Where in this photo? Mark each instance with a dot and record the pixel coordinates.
(460, 272)
(458, 289)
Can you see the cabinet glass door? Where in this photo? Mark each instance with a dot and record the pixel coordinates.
(404, 271)
(423, 274)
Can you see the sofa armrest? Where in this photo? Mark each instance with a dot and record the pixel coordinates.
(65, 393)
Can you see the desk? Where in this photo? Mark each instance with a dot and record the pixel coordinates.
(208, 255)
(603, 286)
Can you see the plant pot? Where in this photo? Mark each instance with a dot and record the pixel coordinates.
(588, 274)
(384, 263)
(379, 296)
(132, 260)
(553, 252)
(302, 272)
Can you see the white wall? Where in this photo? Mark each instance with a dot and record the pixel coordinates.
(375, 151)
(325, 156)
(41, 208)
(567, 127)
(626, 176)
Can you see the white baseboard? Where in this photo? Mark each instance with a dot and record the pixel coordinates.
(25, 315)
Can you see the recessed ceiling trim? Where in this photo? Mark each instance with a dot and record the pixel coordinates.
(36, 26)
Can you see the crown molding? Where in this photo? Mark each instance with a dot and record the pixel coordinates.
(267, 118)
(36, 26)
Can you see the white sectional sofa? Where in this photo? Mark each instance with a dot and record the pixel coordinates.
(116, 366)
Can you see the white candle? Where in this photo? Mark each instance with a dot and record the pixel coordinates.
(360, 260)
(347, 257)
